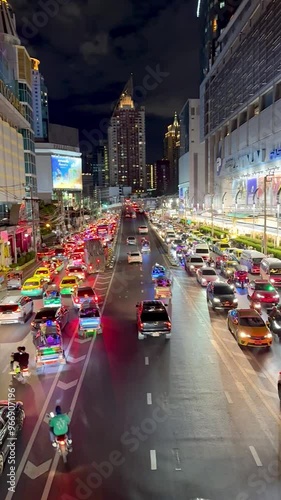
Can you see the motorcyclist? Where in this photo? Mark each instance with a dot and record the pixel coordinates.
(275, 313)
(59, 426)
(21, 357)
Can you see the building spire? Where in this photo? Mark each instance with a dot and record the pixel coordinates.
(8, 21)
(126, 97)
(176, 122)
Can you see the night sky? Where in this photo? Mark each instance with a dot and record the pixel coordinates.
(88, 49)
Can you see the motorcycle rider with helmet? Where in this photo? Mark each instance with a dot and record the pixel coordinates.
(59, 426)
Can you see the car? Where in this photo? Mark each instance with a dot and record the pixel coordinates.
(15, 309)
(177, 243)
(192, 263)
(264, 292)
(131, 240)
(145, 247)
(134, 257)
(206, 275)
(89, 319)
(68, 285)
(248, 328)
(153, 319)
(85, 293)
(10, 411)
(56, 315)
(228, 267)
(34, 287)
(220, 295)
(143, 229)
(76, 270)
(45, 273)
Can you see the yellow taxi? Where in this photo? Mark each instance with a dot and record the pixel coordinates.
(45, 273)
(69, 285)
(248, 328)
(237, 252)
(33, 287)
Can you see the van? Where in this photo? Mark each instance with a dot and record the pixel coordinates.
(203, 250)
(270, 269)
(252, 260)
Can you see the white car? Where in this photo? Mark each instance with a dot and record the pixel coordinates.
(145, 247)
(15, 309)
(143, 229)
(131, 240)
(205, 275)
(134, 257)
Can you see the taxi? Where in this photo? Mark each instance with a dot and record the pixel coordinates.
(45, 273)
(68, 285)
(33, 287)
(248, 328)
(228, 268)
(58, 265)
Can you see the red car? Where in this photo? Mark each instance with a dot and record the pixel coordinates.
(262, 291)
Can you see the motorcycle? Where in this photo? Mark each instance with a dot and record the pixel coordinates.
(20, 374)
(274, 324)
(256, 306)
(61, 443)
(241, 282)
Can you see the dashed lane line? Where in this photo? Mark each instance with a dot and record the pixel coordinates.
(149, 398)
(153, 460)
(146, 360)
(255, 456)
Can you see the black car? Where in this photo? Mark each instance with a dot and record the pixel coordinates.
(153, 319)
(55, 314)
(220, 295)
(9, 436)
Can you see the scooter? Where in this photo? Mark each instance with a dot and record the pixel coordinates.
(20, 374)
(274, 324)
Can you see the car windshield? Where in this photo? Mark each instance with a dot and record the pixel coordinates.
(89, 312)
(32, 283)
(154, 316)
(42, 271)
(266, 287)
(177, 242)
(256, 321)
(202, 250)
(196, 259)
(275, 270)
(8, 308)
(135, 254)
(257, 260)
(85, 291)
(75, 269)
(209, 272)
(49, 313)
(69, 281)
(131, 238)
(223, 290)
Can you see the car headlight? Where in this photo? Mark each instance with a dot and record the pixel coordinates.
(191, 267)
(203, 280)
(228, 271)
(268, 336)
(276, 296)
(272, 280)
(235, 301)
(259, 296)
(275, 325)
(216, 300)
(244, 335)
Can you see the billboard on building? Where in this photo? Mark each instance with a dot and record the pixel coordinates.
(252, 185)
(67, 173)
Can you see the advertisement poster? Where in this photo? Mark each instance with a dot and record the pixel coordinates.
(252, 185)
(67, 173)
(239, 185)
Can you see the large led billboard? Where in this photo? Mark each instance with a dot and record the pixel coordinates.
(67, 173)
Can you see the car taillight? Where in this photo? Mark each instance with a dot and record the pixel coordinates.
(61, 441)
(76, 300)
(91, 267)
(141, 325)
(18, 310)
(168, 324)
(96, 299)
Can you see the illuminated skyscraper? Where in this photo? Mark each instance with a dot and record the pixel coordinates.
(171, 153)
(40, 102)
(126, 143)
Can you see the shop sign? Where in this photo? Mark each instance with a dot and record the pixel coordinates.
(8, 94)
(275, 154)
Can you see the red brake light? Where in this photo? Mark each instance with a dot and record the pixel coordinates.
(96, 299)
(61, 441)
(168, 324)
(141, 325)
(91, 267)
(18, 310)
(76, 300)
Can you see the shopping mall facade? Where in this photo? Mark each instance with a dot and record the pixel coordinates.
(240, 121)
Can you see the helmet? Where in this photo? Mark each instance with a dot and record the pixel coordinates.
(58, 410)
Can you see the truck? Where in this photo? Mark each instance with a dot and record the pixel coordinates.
(94, 256)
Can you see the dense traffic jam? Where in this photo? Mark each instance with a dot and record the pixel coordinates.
(78, 257)
(228, 272)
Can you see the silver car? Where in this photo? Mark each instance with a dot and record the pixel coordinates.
(205, 275)
(15, 309)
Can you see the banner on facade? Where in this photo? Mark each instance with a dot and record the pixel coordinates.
(252, 185)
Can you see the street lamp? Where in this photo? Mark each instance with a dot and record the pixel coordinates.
(254, 209)
(212, 213)
(264, 242)
(278, 215)
(222, 202)
(236, 201)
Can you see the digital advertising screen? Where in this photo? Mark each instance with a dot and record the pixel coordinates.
(67, 173)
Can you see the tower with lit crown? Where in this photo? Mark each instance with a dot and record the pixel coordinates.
(171, 152)
(126, 143)
(40, 102)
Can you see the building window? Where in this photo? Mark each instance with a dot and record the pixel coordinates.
(192, 111)
(267, 99)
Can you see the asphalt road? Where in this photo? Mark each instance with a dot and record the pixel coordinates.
(192, 417)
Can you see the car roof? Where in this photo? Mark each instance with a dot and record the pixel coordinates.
(248, 313)
(261, 282)
(220, 284)
(42, 268)
(47, 310)
(33, 278)
(207, 268)
(10, 299)
(153, 303)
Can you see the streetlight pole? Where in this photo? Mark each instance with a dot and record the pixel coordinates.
(212, 213)
(222, 208)
(254, 209)
(265, 213)
(278, 215)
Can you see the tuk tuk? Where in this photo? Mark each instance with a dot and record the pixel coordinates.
(49, 345)
(89, 319)
(241, 277)
(228, 268)
(14, 280)
(158, 272)
(163, 289)
(52, 297)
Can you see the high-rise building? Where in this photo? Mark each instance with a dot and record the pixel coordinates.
(150, 177)
(214, 17)
(126, 143)
(24, 78)
(171, 153)
(40, 102)
(162, 172)
(241, 110)
(192, 174)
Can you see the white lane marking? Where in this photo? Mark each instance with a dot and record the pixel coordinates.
(6, 368)
(52, 472)
(251, 371)
(32, 471)
(177, 458)
(71, 359)
(146, 360)
(255, 456)
(149, 398)
(153, 460)
(211, 360)
(65, 387)
(227, 395)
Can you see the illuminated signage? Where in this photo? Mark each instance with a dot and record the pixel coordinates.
(67, 173)
(8, 94)
(275, 154)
